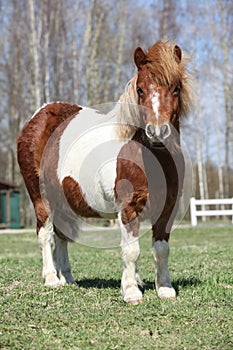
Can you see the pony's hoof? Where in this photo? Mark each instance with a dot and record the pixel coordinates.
(166, 293)
(52, 280)
(132, 296)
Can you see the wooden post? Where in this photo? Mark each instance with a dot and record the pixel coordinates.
(232, 211)
(193, 212)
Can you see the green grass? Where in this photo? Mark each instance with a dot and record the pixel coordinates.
(92, 314)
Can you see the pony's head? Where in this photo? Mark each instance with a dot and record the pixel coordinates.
(162, 89)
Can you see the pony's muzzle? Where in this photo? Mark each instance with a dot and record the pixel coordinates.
(156, 134)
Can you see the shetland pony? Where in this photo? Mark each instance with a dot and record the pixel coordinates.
(78, 162)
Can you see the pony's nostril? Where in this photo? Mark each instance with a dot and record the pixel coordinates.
(150, 130)
(165, 131)
(160, 133)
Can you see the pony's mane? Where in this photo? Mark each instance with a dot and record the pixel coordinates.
(128, 116)
(165, 69)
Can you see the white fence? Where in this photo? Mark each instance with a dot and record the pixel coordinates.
(203, 212)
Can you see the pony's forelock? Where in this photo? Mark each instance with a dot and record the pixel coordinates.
(163, 65)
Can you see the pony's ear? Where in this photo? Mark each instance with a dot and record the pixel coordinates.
(139, 57)
(177, 53)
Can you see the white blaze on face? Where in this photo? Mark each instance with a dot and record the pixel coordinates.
(155, 103)
(154, 96)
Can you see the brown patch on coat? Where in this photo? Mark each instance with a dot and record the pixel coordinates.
(131, 188)
(76, 200)
(30, 147)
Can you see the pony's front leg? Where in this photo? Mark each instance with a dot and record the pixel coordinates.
(162, 279)
(130, 253)
(46, 240)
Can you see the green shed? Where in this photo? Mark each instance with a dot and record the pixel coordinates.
(9, 205)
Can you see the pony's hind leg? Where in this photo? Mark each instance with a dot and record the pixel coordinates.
(46, 240)
(61, 260)
(130, 253)
(162, 279)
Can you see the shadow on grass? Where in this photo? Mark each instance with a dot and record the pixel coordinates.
(181, 282)
(99, 283)
(177, 284)
(185, 282)
(148, 285)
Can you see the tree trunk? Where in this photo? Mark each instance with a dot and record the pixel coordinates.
(226, 47)
(35, 53)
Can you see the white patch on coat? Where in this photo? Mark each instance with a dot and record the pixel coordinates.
(88, 151)
(162, 280)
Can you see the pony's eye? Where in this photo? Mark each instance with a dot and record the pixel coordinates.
(140, 92)
(176, 90)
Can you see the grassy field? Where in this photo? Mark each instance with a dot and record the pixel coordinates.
(92, 314)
